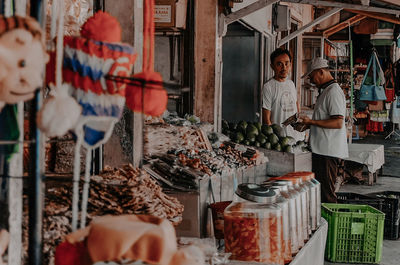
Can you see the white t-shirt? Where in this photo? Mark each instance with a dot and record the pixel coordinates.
(280, 98)
(329, 142)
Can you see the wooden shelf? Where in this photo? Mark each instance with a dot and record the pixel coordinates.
(341, 70)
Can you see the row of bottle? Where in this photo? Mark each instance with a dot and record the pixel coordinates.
(270, 223)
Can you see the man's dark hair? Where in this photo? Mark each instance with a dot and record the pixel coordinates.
(279, 52)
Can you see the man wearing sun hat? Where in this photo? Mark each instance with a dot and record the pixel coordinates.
(328, 139)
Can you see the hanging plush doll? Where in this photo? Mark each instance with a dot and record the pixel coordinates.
(87, 60)
(22, 61)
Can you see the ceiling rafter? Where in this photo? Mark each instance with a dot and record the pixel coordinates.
(345, 5)
(338, 27)
(380, 16)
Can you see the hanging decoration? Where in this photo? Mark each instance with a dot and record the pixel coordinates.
(149, 97)
(87, 60)
(23, 57)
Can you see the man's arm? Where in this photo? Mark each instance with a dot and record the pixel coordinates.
(334, 122)
(298, 106)
(266, 116)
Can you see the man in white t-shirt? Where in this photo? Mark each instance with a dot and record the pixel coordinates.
(328, 139)
(279, 94)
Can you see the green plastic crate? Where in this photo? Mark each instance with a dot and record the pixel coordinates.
(355, 233)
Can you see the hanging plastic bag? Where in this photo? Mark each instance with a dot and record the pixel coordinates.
(373, 91)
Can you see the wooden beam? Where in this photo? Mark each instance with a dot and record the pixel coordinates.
(138, 117)
(205, 59)
(342, 25)
(384, 17)
(224, 21)
(129, 14)
(393, 2)
(232, 17)
(309, 25)
(345, 5)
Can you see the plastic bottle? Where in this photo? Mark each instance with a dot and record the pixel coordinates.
(253, 225)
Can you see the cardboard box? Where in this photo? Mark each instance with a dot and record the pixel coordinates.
(281, 163)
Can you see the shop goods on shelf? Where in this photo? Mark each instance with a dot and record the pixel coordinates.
(355, 233)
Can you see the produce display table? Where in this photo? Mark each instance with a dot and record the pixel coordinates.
(371, 155)
(311, 254)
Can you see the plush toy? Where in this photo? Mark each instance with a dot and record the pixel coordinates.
(126, 238)
(22, 59)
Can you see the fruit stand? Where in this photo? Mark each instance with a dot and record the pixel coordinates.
(284, 153)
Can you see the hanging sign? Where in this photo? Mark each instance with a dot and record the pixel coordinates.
(164, 13)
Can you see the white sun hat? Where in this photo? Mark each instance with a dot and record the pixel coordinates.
(316, 63)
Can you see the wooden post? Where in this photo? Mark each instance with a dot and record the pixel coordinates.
(15, 185)
(205, 59)
(15, 197)
(116, 151)
(138, 117)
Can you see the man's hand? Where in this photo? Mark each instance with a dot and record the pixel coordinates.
(303, 119)
(300, 127)
(334, 122)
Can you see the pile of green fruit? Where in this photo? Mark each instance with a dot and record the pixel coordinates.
(271, 137)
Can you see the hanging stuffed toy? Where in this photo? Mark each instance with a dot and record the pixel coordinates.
(86, 63)
(22, 59)
(149, 97)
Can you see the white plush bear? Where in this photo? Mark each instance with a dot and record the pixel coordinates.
(22, 59)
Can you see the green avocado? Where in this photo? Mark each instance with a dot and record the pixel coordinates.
(266, 145)
(239, 137)
(288, 149)
(266, 129)
(277, 147)
(242, 125)
(251, 137)
(278, 130)
(251, 129)
(284, 141)
(232, 126)
(273, 139)
(258, 126)
(262, 138)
